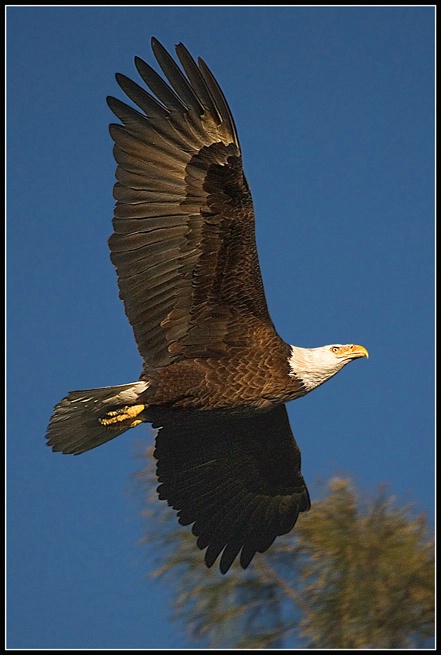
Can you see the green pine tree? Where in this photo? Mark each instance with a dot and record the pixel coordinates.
(352, 574)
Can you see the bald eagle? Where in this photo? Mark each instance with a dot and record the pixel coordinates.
(216, 375)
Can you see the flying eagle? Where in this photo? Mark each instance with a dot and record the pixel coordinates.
(216, 375)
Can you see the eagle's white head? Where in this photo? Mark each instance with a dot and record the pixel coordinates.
(313, 366)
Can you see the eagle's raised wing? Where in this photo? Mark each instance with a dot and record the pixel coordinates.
(184, 241)
(236, 479)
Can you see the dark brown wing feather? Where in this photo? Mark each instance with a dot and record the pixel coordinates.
(212, 471)
(184, 242)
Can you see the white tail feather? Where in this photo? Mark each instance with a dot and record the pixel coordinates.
(75, 427)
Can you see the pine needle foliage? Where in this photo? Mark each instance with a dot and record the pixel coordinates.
(352, 574)
(368, 578)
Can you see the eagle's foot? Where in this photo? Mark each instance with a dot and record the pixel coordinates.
(117, 416)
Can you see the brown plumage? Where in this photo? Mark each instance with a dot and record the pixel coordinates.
(216, 375)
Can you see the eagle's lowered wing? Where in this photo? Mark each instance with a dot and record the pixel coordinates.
(236, 479)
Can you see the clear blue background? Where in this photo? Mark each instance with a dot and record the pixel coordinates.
(335, 112)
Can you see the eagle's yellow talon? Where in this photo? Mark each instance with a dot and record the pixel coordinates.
(124, 414)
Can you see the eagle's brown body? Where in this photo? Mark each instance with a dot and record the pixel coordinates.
(216, 375)
(227, 383)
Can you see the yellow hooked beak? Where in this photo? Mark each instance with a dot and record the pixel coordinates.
(355, 351)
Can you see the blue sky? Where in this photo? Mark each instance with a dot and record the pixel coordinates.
(335, 112)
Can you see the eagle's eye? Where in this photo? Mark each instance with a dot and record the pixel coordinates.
(335, 349)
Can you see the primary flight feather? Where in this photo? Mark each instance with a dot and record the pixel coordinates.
(216, 375)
